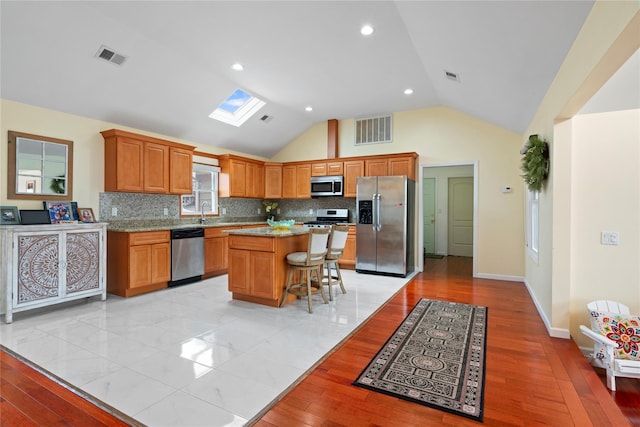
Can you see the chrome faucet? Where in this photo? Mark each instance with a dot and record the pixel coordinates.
(202, 206)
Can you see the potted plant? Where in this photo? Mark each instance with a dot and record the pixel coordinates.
(270, 208)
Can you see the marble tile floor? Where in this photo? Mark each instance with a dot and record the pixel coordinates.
(190, 355)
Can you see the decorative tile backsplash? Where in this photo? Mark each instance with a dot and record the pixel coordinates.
(138, 206)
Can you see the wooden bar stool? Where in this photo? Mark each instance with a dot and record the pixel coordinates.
(337, 241)
(306, 264)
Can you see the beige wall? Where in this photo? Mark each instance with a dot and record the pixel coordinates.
(88, 148)
(605, 190)
(608, 38)
(444, 136)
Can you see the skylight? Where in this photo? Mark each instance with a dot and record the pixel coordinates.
(237, 108)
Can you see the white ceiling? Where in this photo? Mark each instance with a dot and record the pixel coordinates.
(295, 53)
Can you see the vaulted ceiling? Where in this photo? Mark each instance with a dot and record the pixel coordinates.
(295, 53)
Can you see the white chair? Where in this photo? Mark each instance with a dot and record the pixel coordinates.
(607, 318)
(331, 272)
(306, 264)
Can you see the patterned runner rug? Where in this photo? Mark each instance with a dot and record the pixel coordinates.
(436, 358)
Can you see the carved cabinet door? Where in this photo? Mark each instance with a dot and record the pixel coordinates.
(38, 272)
(82, 261)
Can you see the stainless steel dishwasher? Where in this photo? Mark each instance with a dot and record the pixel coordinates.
(187, 256)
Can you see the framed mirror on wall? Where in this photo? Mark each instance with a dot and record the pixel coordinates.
(39, 167)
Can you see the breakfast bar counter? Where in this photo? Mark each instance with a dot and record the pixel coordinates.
(257, 262)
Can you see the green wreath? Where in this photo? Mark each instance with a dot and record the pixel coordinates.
(535, 163)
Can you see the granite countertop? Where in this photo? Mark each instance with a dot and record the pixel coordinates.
(133, 226)
(269, 232)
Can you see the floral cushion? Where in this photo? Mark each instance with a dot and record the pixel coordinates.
(621, 328)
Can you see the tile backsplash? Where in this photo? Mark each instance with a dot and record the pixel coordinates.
(138, 206)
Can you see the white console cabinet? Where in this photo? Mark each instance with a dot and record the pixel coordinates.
(50, 264)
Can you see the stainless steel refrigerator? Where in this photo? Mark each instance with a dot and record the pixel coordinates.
(384, 235)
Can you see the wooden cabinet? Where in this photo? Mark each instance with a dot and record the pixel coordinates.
(141, 164)
(376, 167)
(49, 264)
(392, 165)
(216, 254)
(138, 262)
(352, 170)
(348, 259)
(180, 161)
(296, 181)
(289, 189)
(240, 177)
(273, 180)
(258, 267)
(155, 168)
(303, 181)
(333, 168)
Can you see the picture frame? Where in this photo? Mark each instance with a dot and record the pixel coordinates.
(86, 215)
(60, 211)
(9, 215)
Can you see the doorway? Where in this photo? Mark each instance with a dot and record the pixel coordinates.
(448, 210)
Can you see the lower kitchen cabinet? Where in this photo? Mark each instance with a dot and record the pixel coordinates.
(49, 264)
(216, 253)
(348, 259)
(138, 262)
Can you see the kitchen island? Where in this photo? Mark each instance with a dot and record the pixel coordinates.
(257, 262)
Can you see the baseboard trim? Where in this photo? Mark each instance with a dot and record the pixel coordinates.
(504, 277)
(553, 332)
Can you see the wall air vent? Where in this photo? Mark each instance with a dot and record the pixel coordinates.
(373, 130)
(110, 55)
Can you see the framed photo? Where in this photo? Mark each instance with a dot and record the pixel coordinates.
(9, 215)
(59, 211)
(86, 215)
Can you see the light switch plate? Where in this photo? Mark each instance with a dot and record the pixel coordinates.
(609, 237)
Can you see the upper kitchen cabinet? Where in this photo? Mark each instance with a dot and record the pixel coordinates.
(333, 168)
(180, 161)
(392, 165)
(352, 170)
(273, 180)
(296, 181)
(141, 164)
(241, 177)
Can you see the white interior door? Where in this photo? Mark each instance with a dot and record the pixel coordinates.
(429, 214)
(460, 217)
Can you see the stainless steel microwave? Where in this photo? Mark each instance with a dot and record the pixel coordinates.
(326, 186)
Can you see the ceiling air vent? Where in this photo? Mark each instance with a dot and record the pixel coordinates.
(452, 76)
(373, 130)
(110, 55)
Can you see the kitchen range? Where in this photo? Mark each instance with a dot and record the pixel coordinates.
(328, 217)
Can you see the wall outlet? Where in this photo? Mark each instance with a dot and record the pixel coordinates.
(259, 211)
(310, 211)
(278, 211)
(114, 211)
(166, 211)
(609, 238)
(224, 211)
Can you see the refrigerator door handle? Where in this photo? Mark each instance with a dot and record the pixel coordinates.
(379, 214)
(374, 214)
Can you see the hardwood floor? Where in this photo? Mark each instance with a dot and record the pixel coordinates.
(531, 379)
(29, 398)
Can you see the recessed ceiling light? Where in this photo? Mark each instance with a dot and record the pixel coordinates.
(308, 109)
(408, 91)
(366, 30)
(237, 66)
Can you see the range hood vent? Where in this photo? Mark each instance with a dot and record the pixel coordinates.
(110, 55)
